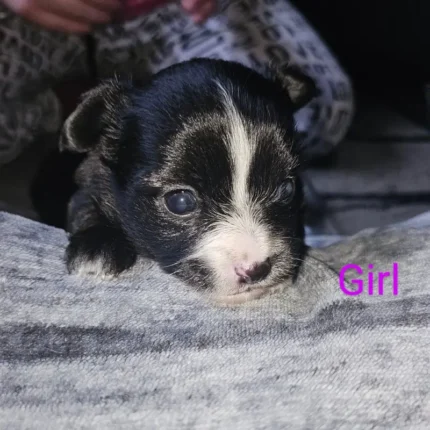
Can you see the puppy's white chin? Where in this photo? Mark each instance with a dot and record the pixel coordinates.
(244, 296)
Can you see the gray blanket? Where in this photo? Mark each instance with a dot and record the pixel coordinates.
(146, 352)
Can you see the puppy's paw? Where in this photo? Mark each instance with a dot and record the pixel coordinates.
(99, 251)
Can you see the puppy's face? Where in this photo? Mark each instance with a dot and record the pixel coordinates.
(202, 164)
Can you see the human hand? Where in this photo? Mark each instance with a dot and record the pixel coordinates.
(200, 10)
(70, 16)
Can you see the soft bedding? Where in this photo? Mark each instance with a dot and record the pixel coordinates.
(146, 352)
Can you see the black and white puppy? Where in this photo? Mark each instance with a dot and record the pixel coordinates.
(197, 170)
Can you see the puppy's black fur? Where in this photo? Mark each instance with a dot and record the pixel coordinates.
(210, 134)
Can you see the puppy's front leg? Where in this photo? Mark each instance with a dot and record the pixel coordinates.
(98, 246)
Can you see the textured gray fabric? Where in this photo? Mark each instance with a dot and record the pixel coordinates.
(144, 351)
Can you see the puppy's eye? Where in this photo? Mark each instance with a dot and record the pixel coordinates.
(285, 191)
(180, 202)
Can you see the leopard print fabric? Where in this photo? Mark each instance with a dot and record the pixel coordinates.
(31, 61)
(253, 32)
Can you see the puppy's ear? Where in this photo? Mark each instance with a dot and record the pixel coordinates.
(97, 118)
(300, 87)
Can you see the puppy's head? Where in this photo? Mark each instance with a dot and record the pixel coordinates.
(202, 165)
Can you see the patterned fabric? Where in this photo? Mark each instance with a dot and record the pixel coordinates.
(146, 352)
(31, 60)
(253, 32)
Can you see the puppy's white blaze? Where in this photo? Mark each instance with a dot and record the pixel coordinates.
(241, 147)
(241, 236)
(242, 143)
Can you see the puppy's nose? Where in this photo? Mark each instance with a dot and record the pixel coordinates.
(256, 272)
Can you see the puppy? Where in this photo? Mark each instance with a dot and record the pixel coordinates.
(196, 169)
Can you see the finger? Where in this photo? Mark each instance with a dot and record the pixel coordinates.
(192, 6)
(203, 13)
(76, 10)
(199, 9)
(55, 22)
